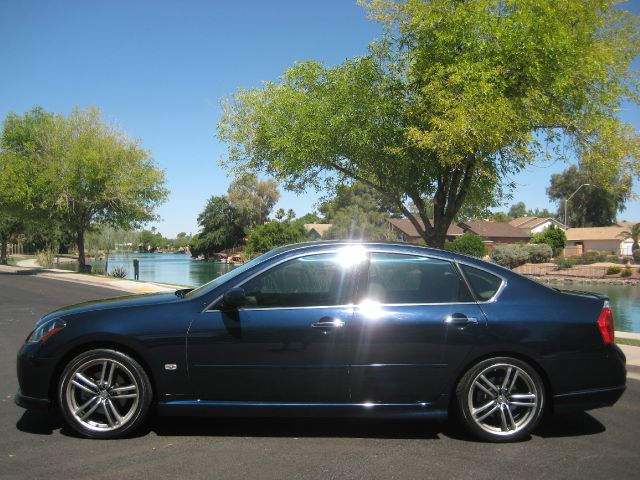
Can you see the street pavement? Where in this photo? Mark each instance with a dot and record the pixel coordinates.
(603, 443)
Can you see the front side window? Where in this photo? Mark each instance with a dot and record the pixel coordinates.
(312, 280)
(397, 279)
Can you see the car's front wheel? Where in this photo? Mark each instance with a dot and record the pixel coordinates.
(104, 393)
(501, 399)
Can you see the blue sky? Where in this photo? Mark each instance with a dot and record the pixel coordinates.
(159, 69)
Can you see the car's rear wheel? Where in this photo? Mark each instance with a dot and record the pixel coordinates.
(104, 394)
(501, 399)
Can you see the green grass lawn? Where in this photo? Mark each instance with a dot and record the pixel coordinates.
(628, 341)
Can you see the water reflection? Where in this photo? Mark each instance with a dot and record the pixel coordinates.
(177, 269)
(625, 302)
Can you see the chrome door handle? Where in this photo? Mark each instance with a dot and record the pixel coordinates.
(328, 323)
(460, 319)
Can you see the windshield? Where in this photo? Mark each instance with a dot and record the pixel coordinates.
(216, 282)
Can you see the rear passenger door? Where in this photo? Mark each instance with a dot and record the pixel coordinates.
(415, 323)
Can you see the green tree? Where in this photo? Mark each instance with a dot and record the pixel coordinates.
(518, 210)
(634, 233)
(596, 205)
(270, 235)
(253, 199)
(81, 172)
(221, 228)
(500, 217)
(311, 217)
(10, 226)
(357, 212)
(467, 244)
(552, 236)
(456, 98)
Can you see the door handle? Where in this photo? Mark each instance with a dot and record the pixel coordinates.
(460, 319)
(327, 322)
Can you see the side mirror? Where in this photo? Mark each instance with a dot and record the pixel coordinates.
(234, 298)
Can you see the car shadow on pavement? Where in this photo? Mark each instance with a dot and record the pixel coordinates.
(561, 425)
(573, 424)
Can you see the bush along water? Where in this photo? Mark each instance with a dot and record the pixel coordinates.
(514, 255)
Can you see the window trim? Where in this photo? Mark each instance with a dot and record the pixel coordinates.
(494, 298)
(369, 250)
(211, 306)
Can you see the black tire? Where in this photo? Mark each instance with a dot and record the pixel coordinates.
(495, 407)
(104, 393)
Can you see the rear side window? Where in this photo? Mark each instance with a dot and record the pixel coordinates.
(397, 279)
(484, 284)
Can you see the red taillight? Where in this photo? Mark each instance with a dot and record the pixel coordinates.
(605, 324)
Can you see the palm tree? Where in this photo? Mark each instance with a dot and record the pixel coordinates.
(634, 233)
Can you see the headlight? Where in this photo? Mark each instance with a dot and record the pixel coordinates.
(44, 331)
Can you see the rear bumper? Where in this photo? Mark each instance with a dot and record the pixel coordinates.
(31, 403)
(588, 399)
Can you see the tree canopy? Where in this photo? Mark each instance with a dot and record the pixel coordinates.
(252, 198)
(221, 228)
(455, 98)
(357, 212)
(595, 205)
(78, 171)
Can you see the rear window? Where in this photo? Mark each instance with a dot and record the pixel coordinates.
(484, 284)
(405, 279)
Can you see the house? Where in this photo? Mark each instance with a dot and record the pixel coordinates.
(316, 230)
(490, 232)
(402, 229)
(607, 239)
(536, 224)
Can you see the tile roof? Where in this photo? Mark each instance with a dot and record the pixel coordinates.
(321, 228)
(406, 227)
(596, 233)
(488, 229)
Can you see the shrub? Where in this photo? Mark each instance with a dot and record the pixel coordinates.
(552, 236)
(636, 255)
(274, 234)
(540, 253)
(119, 272)
(612, 259)
(45, 258)
(614, 270)
(626, 272)
(588, 258)
(510, 256)
(468, 244)
(565, 262)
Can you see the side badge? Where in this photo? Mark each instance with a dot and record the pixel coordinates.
(170, 366)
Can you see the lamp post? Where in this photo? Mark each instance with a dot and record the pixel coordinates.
(567, 201)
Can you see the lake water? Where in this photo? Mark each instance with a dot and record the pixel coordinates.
(173, 268)
(180, 269)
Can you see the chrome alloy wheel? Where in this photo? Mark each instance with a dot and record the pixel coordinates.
(102, 394)
(503, 399)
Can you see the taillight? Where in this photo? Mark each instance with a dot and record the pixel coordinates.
(605, 324)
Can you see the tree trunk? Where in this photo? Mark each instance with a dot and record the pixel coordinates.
(4, 259)
(80, 245)
(106, 264)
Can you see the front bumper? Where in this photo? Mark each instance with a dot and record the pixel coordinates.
(32, 403)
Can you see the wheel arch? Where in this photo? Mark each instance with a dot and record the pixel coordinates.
(528, 359)
(93, 344)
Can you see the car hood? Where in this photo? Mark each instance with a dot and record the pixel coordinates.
(112, 304)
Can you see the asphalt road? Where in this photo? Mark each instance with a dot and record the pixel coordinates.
(600, 444)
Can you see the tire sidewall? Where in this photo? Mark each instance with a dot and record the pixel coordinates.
(144, 401)
(465, 384)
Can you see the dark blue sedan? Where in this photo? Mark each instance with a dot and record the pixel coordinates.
(331, 329)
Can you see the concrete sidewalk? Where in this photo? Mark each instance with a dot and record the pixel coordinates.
(131, 286)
